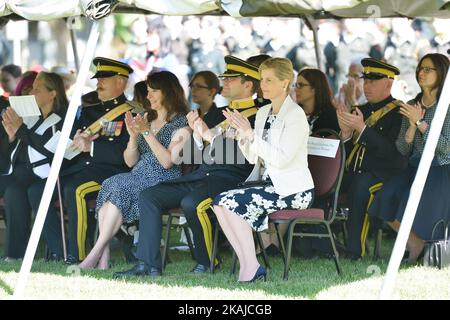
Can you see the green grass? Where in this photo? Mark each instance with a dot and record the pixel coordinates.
(308, 279)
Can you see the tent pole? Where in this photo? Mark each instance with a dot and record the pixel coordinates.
(312, 25)
(416, 191)
(73, 40)
(56, 164)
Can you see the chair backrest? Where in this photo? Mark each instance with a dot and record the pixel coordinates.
(327, 172)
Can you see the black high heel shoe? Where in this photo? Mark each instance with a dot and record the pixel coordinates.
(261, 274)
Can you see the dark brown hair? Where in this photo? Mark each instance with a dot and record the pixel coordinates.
(173, 99)
(210, 78)
(441, 64)
(140, 95)
(322, 91)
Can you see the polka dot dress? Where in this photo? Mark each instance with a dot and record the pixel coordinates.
(123, 189)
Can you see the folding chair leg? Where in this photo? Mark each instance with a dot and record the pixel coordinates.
(214, 246)
(96, 232)
(47, 253)
(344, 233)
(335, 253)
(367, 248)
(189, 240)
(287, 258)
(261, 247)
(280, 241)
(377, 249)
(165, 251)
(233, 263)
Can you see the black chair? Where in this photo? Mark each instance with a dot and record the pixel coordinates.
(176, 213)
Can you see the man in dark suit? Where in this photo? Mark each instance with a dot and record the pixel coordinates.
(369, 133)
(222, 167)
(100, 135)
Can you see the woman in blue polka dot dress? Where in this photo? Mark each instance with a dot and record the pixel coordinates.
(149, 153)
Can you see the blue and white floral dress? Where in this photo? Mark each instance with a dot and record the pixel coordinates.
(255, 204)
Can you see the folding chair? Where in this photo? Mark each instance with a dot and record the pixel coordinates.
(176, 213)
(327, 175)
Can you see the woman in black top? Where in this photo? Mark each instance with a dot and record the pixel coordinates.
(29, 161)
(314, 96)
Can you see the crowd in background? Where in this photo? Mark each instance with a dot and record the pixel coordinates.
(186, 45)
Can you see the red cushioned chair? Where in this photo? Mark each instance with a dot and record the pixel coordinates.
(327, 175)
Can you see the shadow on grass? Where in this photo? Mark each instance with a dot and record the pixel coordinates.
(307, 278)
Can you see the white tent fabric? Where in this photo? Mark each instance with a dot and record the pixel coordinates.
(40, 9)
(53, 9)
(343, 8)
(176, 7)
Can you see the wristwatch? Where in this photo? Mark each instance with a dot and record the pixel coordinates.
(418, 122)
(145, 133)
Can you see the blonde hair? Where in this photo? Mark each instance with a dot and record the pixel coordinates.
(282, 67)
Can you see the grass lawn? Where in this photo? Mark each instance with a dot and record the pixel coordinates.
(308, 279)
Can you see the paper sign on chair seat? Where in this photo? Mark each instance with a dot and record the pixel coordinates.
(322, 147)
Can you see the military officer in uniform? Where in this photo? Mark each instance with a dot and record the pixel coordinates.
(369, 132)
(100, 136)
(223, 166)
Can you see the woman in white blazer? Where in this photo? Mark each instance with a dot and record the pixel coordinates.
(29, 160)
(278, 148)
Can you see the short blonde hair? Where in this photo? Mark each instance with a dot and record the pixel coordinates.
(282, 67)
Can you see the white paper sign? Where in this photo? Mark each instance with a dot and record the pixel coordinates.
(25, 106)
(322, 147)
(53, 143)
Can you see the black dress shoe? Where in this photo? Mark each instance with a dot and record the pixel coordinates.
(139, 270)
(199, 268)
(71, 260)
(261, 274)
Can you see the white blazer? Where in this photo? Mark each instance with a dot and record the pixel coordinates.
(285, 152)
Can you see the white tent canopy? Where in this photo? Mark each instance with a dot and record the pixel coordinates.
(54, 9)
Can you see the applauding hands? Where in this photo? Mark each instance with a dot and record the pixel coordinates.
(240, 123)
(136, 125)
(349, 122)
(199, 126)
(82, 141)
(11, 122)
(412, 112)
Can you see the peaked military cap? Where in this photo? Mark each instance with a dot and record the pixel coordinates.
(108, 67)
(376, 69)
(235, 67)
